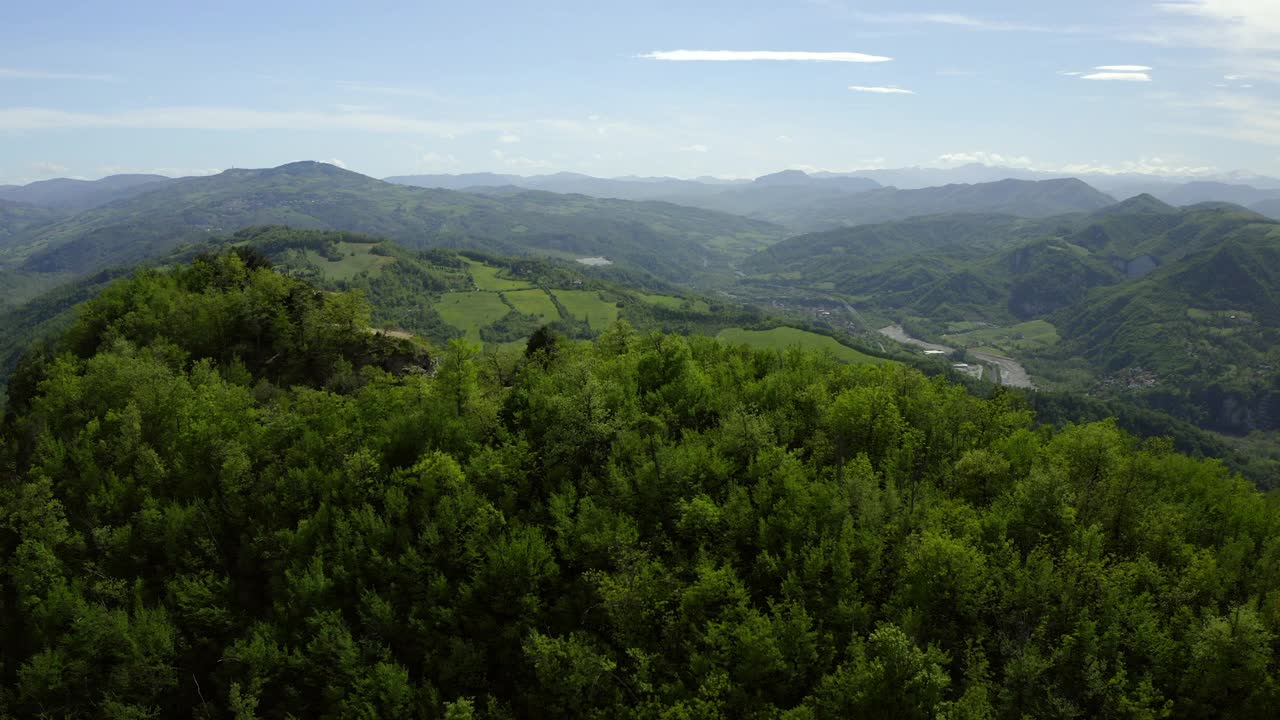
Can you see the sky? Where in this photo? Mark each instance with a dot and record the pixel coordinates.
(733, 89)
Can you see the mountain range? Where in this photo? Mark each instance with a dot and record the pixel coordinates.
(1184, 292)
(668, 240)
(1188, 295)
(72, 195)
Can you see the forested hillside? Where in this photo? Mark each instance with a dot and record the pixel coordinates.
(73, 195)
(223, 496)
(669, 240)
(1175, 309)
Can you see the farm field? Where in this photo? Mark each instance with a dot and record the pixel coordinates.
(781, 338)
(470, 311)
(586, 304)
(486, 277)
(533, 302)
(356, 259)
(1033, 336)
(672, 302)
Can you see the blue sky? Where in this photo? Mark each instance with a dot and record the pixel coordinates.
(178, 87)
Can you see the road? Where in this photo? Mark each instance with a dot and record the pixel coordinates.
(1008, 371)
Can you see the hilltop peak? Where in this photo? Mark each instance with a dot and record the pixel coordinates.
(1141, 204)
(785, 177)
(309, 167)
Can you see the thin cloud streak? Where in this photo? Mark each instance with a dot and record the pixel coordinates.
(966, 22)
(233, 118)
(881, 90)
(1118, 76)
(24, 74)
(754, 55)
(1125, 68)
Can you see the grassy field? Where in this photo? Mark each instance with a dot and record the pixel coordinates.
(534, 302)
(486, 277)
(587, 304)
(470, 311)
(784, 337)
(675, 303)
(356, 258)
(1032, 336)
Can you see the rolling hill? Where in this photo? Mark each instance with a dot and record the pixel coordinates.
(1203, 191)
(1207, 327)
(845, 253)
(1021, 198)
(667, 240)
(17, 219)
(72, 195)
(1123, 242)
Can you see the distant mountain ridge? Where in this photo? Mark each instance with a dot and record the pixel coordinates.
(1020, 198)
(668, 240)
(1270, 208)
(71, 195)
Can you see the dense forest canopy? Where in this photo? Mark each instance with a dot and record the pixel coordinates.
(222, 496)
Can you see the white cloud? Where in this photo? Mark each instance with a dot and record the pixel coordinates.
(26, 74)
(337, 162)
(1141, 166)
(748, 55)
(881, 90)
(508, 138)
(1070, 73)
(1118, 76)
(1225, 24)
(1154, 165)
(984, 158)
(785, 139)
(234, 118)
(1125, 68)
(968, 22)
(699, 148)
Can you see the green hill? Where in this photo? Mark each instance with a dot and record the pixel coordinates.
(228, 495)
(1020, 198)
(71, 195)
(18, 219)
(1208, 327)
(1121, 243)
(435, 294)
(670, 241)
(844, 254)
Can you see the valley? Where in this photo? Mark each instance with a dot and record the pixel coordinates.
(561, 347)
(640, 361)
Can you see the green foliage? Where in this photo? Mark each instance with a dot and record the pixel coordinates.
(224, 497)
(781, 338)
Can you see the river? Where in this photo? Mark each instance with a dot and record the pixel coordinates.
(1008, 371)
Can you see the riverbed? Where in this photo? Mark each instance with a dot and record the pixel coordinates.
(1008, 371)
